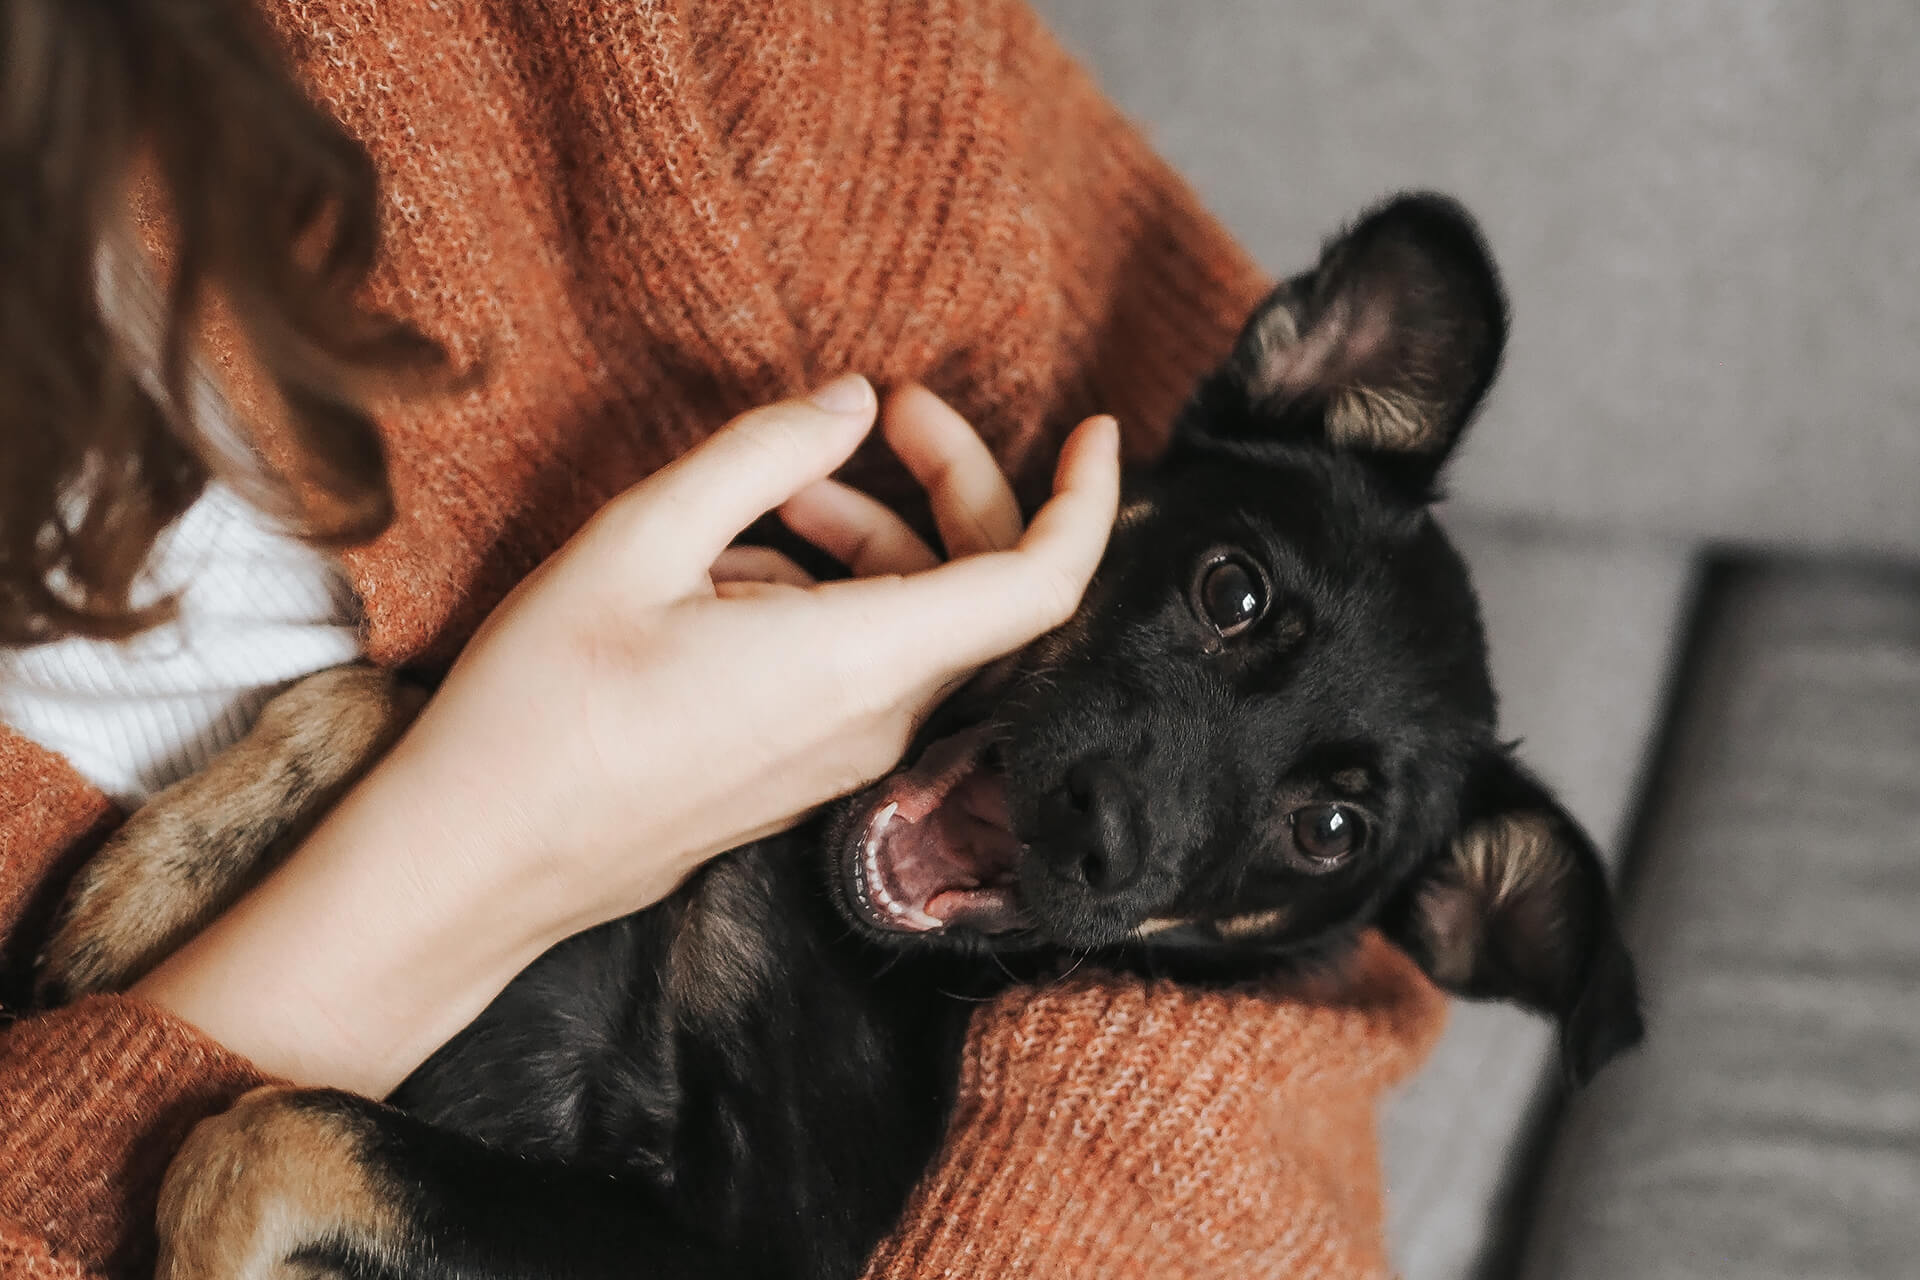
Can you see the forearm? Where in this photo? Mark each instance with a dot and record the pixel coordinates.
(366, 949)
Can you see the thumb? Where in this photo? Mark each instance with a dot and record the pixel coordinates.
(946, 621)
(686, 513)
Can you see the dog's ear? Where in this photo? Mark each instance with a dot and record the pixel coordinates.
(1517, 908)
(1384, 350)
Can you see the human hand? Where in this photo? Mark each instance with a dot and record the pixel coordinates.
(646, 699)
(650, 697)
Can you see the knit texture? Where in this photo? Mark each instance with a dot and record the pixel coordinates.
(49, 816)
(1114, 1127)
(637, 219)
(646, 217)
(97, 1098)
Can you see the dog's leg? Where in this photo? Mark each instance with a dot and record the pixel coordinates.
(312, 1182)
(196, 846)
(281, 1169)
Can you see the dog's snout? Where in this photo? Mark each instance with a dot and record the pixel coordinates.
(1094, 840)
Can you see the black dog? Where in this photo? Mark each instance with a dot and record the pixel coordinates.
(1268, 728)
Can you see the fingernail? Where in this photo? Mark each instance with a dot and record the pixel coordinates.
(1110, 427)
(848, 393)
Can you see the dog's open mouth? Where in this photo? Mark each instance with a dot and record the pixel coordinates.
(932, 846)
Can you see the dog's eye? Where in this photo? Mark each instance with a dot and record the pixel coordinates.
(1231, 595)
(1326, 834)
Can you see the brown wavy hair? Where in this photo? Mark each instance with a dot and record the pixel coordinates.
(270, 204)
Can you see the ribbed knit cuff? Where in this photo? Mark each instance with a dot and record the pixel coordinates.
(48, 817)
(1117, 1128)
(94, 1100)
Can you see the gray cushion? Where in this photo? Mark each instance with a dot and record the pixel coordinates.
(1704, 207)
(1771, 1126)
(1582, 635)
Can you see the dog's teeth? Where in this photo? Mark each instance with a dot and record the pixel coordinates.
(880, 893)
(873, 887)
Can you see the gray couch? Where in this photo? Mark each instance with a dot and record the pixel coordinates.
(1693, 507)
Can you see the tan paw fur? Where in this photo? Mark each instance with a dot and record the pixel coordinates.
(282, 1169)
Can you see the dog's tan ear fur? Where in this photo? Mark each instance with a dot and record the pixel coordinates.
(1384, 349)
(1516, 907)
(1342, 359)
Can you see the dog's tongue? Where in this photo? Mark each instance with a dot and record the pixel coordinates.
(988, 910)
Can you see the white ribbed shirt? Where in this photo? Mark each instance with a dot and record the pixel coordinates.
(258, 609)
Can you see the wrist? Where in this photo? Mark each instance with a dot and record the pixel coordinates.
(364, 951)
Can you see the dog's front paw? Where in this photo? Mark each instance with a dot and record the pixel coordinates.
(123, 913)
(164, 875)
(279, 1186)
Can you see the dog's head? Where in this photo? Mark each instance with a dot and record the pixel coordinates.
(1270, 724)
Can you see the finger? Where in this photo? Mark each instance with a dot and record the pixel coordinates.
(750, 589)
(973, 505)
(688, 511)
(860, 532)
(757, 564)
(968, 612)
(1069, 534)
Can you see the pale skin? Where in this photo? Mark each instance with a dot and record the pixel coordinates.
(645, 700)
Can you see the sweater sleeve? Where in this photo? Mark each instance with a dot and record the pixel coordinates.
(25, 1256)
(1120, 1128)
(49, 818)
(93, 1098)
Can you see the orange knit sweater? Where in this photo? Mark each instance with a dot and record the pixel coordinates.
(646, 216)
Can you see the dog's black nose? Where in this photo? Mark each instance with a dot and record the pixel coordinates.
(1093, 837)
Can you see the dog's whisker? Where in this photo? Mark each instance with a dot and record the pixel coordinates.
(1077, 962)
(995, 955)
